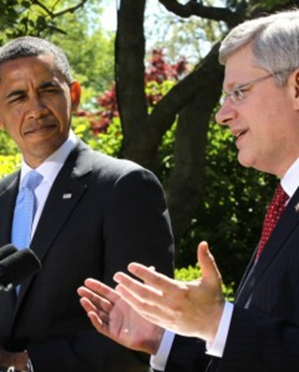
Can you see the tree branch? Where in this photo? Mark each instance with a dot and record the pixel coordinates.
(54, 15)
(204, 78)
(193, 7)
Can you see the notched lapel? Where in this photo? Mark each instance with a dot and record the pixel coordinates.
(66, 192)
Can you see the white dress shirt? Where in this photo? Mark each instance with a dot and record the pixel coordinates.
(290, 183)
(49, 169)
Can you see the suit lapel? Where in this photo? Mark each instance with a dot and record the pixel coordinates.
(286, 224)
(63, 198)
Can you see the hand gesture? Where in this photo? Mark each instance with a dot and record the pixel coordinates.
(188, 308)
(116, 319)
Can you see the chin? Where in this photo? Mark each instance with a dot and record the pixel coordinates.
(245, 162)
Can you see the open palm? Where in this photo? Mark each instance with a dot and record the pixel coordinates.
(116, 319)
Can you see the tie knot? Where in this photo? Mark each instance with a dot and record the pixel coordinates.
(31, 180)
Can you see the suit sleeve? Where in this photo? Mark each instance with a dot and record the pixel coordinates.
(188, 355)
(137, 226)
(260, 343)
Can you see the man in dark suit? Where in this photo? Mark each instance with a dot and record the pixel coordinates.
(260, 331)
(94, 215)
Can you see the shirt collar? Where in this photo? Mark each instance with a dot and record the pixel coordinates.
(290, 181)
(52, 165)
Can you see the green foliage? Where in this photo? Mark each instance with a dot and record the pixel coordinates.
(166, 154)
(109, 143)
(192, 273)
(90, 49)
(10, 158)
(7, 146)
(22, 17)
(9, 164)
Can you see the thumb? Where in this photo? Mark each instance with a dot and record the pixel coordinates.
(210, 272)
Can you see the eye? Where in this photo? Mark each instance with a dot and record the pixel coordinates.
(50, 90)
(238, 94)
(16, 98)
(240, 91)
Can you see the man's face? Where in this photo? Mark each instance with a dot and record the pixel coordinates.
(266, 121)
(36, 105)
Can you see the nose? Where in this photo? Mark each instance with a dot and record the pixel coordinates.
(226, 113)
(37, 108)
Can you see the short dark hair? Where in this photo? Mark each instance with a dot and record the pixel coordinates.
(29, 46)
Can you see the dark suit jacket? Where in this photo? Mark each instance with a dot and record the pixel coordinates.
(264, 332)
(116, 214)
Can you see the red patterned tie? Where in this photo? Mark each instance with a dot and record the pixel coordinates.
(274, 212)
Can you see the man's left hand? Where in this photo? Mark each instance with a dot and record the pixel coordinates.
(191, 309)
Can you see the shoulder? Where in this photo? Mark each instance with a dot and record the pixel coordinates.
(8, 181)
(104, 168)
(109, 167)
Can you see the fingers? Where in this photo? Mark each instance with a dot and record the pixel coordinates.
(148, 275)
(98, 319)
(101, 289)
(98, 300)
(210, 272)
(134, 291)
(97, 322)
(102, 311)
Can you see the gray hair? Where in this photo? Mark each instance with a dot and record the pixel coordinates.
(29, 46)
(274, 40)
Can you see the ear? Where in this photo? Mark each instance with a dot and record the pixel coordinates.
(294, 79)
(75, 90)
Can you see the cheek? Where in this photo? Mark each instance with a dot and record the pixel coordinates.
(61, 109)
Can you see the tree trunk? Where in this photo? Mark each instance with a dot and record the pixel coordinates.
(185, 185)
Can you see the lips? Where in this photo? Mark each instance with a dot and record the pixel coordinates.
(32, 129)
(240, 133)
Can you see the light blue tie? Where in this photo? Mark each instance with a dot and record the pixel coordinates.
(24, 210)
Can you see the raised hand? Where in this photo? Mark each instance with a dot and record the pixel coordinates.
(187, 308)
(116, 319)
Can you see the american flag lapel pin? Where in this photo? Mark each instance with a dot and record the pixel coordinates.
(67, 195)
(297, 208)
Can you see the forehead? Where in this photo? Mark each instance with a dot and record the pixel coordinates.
(28, 70)
(240, 67)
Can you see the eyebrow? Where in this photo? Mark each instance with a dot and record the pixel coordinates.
(234, 86)
(231, 86)
(48, 84)
(19, 92)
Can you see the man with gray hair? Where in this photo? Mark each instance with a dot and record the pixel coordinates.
(260, 331)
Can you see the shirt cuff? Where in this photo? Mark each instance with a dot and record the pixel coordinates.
(216, 348)
(159, 360)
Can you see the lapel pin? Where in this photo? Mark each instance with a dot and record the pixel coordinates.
(69, 196)
(297, 208)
